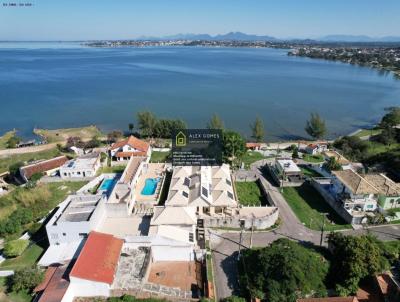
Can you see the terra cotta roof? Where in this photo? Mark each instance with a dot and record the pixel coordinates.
(98, 259)
(355, 182)
(43, 166)
(129, 154)
(53, 288)
(132, 141)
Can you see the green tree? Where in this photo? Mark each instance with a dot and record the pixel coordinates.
(284, 271)
(13, 141)
(315, 126)
(332, 164)
(14, 168)
(351, 262)
(114, 136)
(215, 122)
(352, 146)
(234, 147)
(147, 122)
(387, 136)
(93, 143)
(15, 248)
(391, 118)
(131, 126)
(26, 279)
(295, 153)
(233, 299)
(257, 130)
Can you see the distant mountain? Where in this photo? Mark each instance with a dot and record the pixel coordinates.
(360, 38)
(237, 36)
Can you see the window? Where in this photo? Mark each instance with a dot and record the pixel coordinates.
(64, 234)
(191, 237)
(185, 194)
(204, 191)
(230, 195)
(186, 182)
(228, 182)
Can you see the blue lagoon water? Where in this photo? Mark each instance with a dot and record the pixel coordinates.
(54, 86)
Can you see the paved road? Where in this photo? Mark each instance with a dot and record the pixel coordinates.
(225, 245)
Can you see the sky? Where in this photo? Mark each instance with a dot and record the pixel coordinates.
(47, 20)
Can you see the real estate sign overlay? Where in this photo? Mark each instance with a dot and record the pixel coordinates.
(197, 147)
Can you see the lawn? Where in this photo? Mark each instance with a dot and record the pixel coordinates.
(112, 169)
(249, 193)
(251, 157)
(57, 192)
(159, 156)
(4, 139)
(309, 172)
(28, 258)
(313, 158)
(308, 205)
(60, 135)
(376, 147)
(368, 132)
(7, 161)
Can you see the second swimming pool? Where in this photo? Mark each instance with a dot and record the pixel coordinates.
(150, 186)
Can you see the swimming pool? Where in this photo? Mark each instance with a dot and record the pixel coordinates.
(150, 186)
(107, 185)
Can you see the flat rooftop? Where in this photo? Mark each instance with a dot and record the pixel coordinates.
(125, 226)
(288, 165)
(179, 274)
(83, 162)
(80, 208)
(131, 268)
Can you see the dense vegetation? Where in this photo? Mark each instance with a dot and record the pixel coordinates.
(284, 271)
(383, 147)
(25, 205)
(152, 126)
(351, 263)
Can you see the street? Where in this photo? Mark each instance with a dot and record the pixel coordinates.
(225, 245)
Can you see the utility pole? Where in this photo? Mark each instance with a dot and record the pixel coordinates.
(251, 234)
(322, 228)
(242, 222)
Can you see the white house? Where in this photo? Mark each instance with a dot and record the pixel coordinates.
(132, 146)
(48, 167)
(81, 167)
(356, 193)
(315, 149)
(208, 189)
(94, 271)
(76, 217)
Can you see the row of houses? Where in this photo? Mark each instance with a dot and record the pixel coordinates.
(354, 195)
(85, 165)
(113, 236)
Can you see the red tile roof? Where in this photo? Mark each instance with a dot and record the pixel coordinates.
(43, 166)
(134, 142)
(253, 145)
(98, 259)
(129, 154)
(54, 286)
